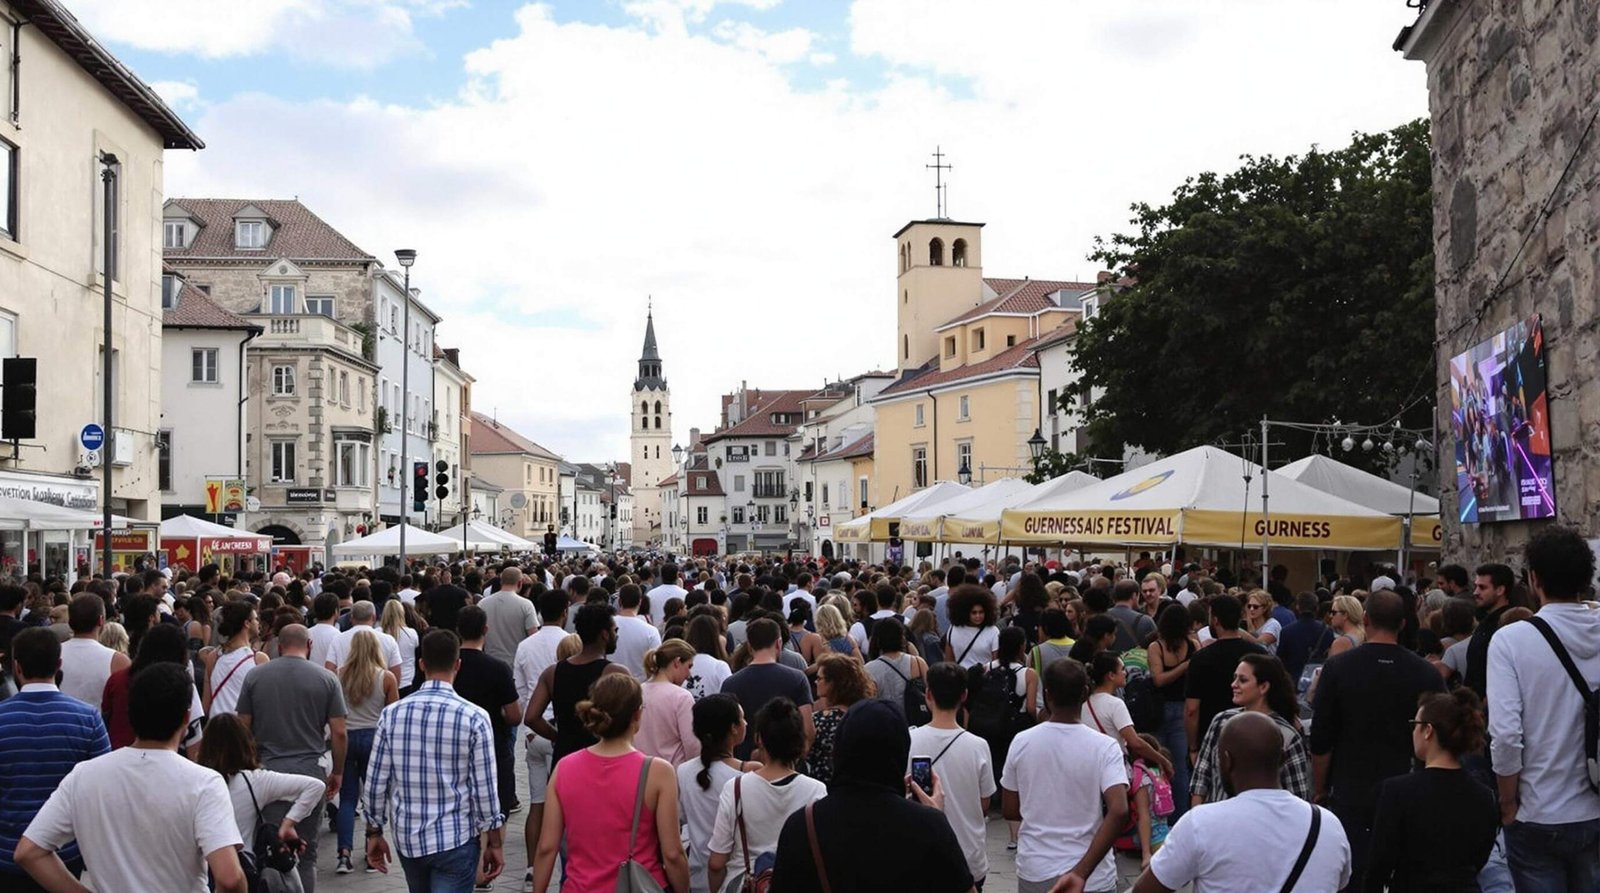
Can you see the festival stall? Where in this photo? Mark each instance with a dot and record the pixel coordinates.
(883, 524)
(926, 524)
(31, 532)
(568, 544)
(1376, 493)
(979, 521)
(481, 536)
(192, 543)
(387, 542)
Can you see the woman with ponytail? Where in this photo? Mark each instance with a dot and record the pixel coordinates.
(719, 726)
(591, 801)
(764, 798)
(667, 729)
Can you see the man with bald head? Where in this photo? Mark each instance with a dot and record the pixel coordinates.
(364, 615)
(1361, 733)
(1260, 836)
(288, 702)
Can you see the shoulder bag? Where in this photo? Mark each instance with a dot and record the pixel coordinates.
(269, 866)
(754, 881)
(1591, 702)
(1305, 851)
(816, 849)
(631, 876)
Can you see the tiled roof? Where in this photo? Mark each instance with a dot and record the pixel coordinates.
(196, 310)
(1020, 296)
(759, 422)
(1022, 356)
(297, 233)
(807, 454)
(862, 447)
(489, 437)
(670, 480)
(703, 482)
(1057, 335)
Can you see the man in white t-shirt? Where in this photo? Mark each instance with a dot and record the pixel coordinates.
(868, 598)
(363, 616)
(408, 590)
(635, 635)
(176, 836)
(801, 593)
(325, 611)
(669, 588)
(85, 663)
(961, 761)
(534, 655)
(1253, 840)
(1068, 786)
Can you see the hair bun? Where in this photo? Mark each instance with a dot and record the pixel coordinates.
(593, 718)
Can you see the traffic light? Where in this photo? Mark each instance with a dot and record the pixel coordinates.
(18, 397)
(442, 479)
(419, 486)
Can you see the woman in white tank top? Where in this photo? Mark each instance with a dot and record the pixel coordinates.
(226, 667)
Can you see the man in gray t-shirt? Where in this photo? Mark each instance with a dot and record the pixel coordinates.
(512, 618)
(288, 702)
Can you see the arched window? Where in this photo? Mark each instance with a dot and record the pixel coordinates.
(644, 407)
(936, 253)
(658, 423)
(906, 349)
(658, 407)
(958, 253)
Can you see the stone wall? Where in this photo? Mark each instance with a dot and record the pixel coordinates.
(1512, 89)
(239, 287)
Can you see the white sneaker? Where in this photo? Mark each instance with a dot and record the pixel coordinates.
(343, 866)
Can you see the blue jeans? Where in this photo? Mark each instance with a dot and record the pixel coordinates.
(1554, 858)
(1176, 741)
(356, 756)
(452, 871)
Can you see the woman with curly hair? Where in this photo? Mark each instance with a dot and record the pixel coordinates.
(1260, 685)
(841, 681)
(1434, 828)
(974, 635)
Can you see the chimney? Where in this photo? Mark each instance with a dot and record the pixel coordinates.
(1104, 276)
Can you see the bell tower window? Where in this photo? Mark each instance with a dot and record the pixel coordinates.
(958, 253)
(936, 253)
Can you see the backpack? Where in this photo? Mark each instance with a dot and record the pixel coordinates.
(1591, 703)
(913, 701)
(994, 709)
(1145, 704)
(269, 867)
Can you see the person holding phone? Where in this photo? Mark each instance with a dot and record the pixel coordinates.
(962, 762)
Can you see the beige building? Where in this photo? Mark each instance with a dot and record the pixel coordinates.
(650, 441)
(68, 112)
(452, 401)
(528, 474)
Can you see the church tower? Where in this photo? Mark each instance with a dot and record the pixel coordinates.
(650, 440)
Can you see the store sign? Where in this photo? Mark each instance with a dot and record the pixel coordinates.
(126, 541)
(235, 546)
(308, 496)
(67, 492)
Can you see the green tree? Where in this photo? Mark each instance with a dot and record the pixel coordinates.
(1298, 288)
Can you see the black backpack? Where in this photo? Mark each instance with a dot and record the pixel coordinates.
(914, 702)
(1591, 703)
(994, 709)
(1145, 704)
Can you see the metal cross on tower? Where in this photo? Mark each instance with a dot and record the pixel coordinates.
(939, 186)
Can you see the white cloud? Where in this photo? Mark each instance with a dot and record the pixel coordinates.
(180, 95)
(357, 34)
(585, 167)
(779, 47)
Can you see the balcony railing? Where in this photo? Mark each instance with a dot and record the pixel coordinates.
(771, 492)
(738, 457)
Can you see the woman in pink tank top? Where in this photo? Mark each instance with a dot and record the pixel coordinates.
(592, 795)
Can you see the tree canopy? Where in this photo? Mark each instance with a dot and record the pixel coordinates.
(1300, 288)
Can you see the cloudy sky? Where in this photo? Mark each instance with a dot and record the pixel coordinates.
(744, 162)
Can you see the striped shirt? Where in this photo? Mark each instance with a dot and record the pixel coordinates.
(433, 770)
(43, 735)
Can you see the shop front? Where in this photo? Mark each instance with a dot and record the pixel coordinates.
(131, 549)
(46, 528)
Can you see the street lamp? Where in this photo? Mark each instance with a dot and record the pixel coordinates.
(405, 257)
(964, 473)
(677, 453)
(1036, 445)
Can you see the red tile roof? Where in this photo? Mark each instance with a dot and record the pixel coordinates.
(669, 481)
(1022, 356)
(196, 310)
(703, 482)
(489, 438)
(1057, 335)
(759, 422)
(1020, 296)
(862, 447)
(297, 233)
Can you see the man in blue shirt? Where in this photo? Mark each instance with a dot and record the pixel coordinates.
(1305, 638)
(43, 735)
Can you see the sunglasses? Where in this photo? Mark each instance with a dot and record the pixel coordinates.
(1418, 722)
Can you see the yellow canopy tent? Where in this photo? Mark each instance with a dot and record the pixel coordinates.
(926, 524)
(1199, 497)
(875, 526)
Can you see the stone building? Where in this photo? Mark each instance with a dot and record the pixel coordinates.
(1516, 213)
(650, 439)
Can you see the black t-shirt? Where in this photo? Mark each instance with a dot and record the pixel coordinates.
(871, 840)
(757, 684)
(1433, 832)
(1477, 675)
(1211, 677)
(444, 602)
(1366, 698)
(486, 681)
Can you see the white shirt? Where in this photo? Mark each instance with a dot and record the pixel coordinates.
(802, 596)
(635, 636)
(967, 777)
(699, 810)
(1536, 714)
(1112, 713)
(322, 636)
(983, 639)
(406, 642)
(409, 596)
(707, 675)
(536, 653)
(165, 848)
(658, 598)
(341, 646)
(766, 807)
(1060, 770)
(85, 667)
(1249, 843)
(859, 632)
(270, 787)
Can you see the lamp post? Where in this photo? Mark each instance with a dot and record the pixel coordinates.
(108, 176)
(1036, 445)
(794, 512)
(405, 257)
(964, 473)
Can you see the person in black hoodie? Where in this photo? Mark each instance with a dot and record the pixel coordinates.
(866, 815)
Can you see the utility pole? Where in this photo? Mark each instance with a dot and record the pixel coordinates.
(108, 176)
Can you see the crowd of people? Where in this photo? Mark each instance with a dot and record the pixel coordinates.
(788, 725)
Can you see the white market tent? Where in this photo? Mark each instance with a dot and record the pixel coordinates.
(387, 542)
(566, 543)
(190, 527)
(927, 523)
(25, 514)
(1365, 488)
(874, 525)
(982, 519)
(1199, 497)
(481, 535)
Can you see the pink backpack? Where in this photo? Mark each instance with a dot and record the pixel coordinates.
(1160, 788)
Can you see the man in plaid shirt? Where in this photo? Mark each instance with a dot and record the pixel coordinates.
(433, 771)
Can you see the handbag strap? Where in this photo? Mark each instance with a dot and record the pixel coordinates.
(249, 658)
(1549, 634)
(947, 746)
(976, 634)
(816, 849)
(744, 836)
(1305, 851)
(892, 667)
(259, 819)
(1095, 716)
(638, 803)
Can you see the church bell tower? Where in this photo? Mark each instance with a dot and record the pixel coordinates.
(650, 448)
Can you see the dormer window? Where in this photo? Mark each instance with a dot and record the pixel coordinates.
(1091, 307)
(174, 234)
(250, 234)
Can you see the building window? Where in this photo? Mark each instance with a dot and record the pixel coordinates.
(702, 515)
(1011, 341)
(738, 514)
(283, 381)
(962, 408)
(769, 485)
(394, 318)
(977, 339)
(950, 347)
(780, 514)
(919, 467)
(116, 221)
(738, 483)
(354, 458)
(861, 486)
(203, 365)
(250, 234)
(905, 347)
(919, 421)
(1050, 406)
(936, 253)
(1091, 307)
(169, 292)
(361, 394)
(344, 388)
(958, 253)
(283, 461)
(281, 300)
(772, 448)
(164, 460)
(824, 495)
(172, 233)
(8, 189)
(964, 455)
(322, 305)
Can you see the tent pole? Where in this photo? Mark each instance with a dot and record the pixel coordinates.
(1266, 518)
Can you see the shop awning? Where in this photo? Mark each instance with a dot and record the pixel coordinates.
(875, 525)
(25, 514)
(190, 527)
(979, 522)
